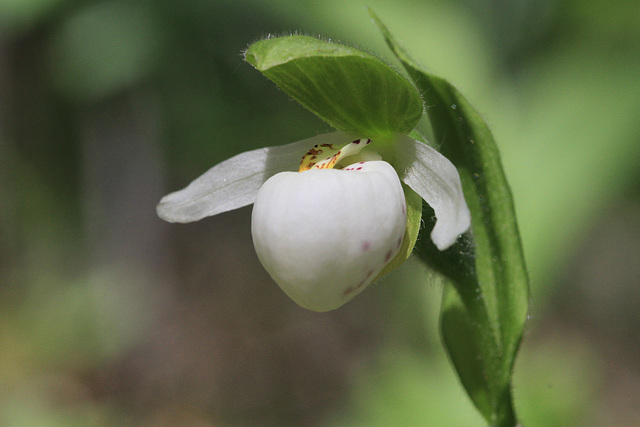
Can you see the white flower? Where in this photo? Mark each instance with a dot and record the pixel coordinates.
(326, 231)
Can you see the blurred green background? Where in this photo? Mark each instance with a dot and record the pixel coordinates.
(110, 317)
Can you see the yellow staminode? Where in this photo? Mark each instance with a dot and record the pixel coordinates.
(326, 156)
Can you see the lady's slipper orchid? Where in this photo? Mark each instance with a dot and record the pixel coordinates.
(331, 213)
(327, 230)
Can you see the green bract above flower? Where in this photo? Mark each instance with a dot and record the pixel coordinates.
(346, 87)
(333, 212)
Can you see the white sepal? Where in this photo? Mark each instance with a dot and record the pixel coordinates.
(324, 234)
(436, 180)
(235, 182)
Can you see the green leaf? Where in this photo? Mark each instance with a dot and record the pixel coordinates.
(414, 219)
(346, 87)
(483, 319)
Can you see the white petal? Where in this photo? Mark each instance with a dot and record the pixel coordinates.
(436, 180)
(235, 182)
(325, 234)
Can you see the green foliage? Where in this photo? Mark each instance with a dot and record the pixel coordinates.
(346, 87)
(483, 318)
